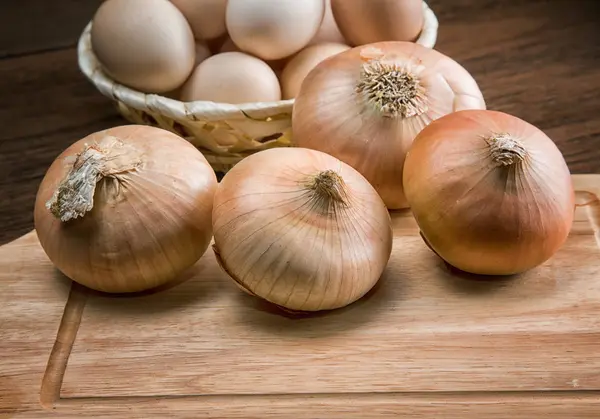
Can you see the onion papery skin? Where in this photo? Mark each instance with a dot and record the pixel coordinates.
(286, 244)
(482, 211)
(148, 223)
(335, 111)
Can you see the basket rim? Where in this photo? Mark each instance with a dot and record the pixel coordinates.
(202, 110)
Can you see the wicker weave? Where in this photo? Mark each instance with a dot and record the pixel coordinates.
(224, 133)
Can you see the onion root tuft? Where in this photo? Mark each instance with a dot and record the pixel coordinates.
(506, 150)
(328, 190)
(394, 91)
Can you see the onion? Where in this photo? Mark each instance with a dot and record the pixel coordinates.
(126, 209)
(300, 229)
(366, 105)
(491, 193)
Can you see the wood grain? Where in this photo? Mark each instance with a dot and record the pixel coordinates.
(33, 26)
(354, 406)
(537, 59)
(426, 342)
(45, 107)
(33, 299)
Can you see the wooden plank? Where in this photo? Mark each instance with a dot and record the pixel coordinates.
(32, 302)
(46, 105)
(29, 26)
(46, 93)
(425, 342)
(422, 330)
(577, 405)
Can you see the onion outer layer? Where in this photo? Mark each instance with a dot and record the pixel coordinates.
(491, 193)
(300, 229)
(126, 209)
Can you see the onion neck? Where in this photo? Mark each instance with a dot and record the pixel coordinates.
(327, 191)
(392, 90)
(506, 150)
(74, 196)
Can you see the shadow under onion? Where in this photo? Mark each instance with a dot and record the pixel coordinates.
(274, 319)
(187, 289)
(62, 281)
(469, 283)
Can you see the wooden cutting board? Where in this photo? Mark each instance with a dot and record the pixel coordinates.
(425, 343)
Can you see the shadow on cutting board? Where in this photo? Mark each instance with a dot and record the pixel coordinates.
(367, 309)
(188, 289)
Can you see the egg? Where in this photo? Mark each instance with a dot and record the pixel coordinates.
(202, 52)
(367, 21)
(298, 67)
(328, 31)
(273, 29)
(206, 17)
(147, 45)
(276, 65)
(232, 77)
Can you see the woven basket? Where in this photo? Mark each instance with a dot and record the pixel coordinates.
(224, 133)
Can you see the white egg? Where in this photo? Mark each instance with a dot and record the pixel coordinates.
(232, 77)
(145, 44)
(273, 29)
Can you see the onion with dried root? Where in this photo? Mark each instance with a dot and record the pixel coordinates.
(366, 105)
(300, 229)
(126, 209)
(491, 193)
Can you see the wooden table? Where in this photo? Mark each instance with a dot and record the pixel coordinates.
(537, 59)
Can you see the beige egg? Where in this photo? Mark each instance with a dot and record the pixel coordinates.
(298, 68)
(367, 21)
(202, 52)
(328, 31)
(276, 65)
(206, 17)
(145, 44)
(273, 29)
(232, 77)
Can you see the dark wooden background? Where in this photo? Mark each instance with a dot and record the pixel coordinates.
(536, 59)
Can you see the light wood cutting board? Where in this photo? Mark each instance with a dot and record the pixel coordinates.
(425, 343)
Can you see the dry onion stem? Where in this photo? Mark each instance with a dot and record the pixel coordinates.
(393, 91)
(366, 105)
(126, 209)
(491, 193)
(300, 229)
(75, 194)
